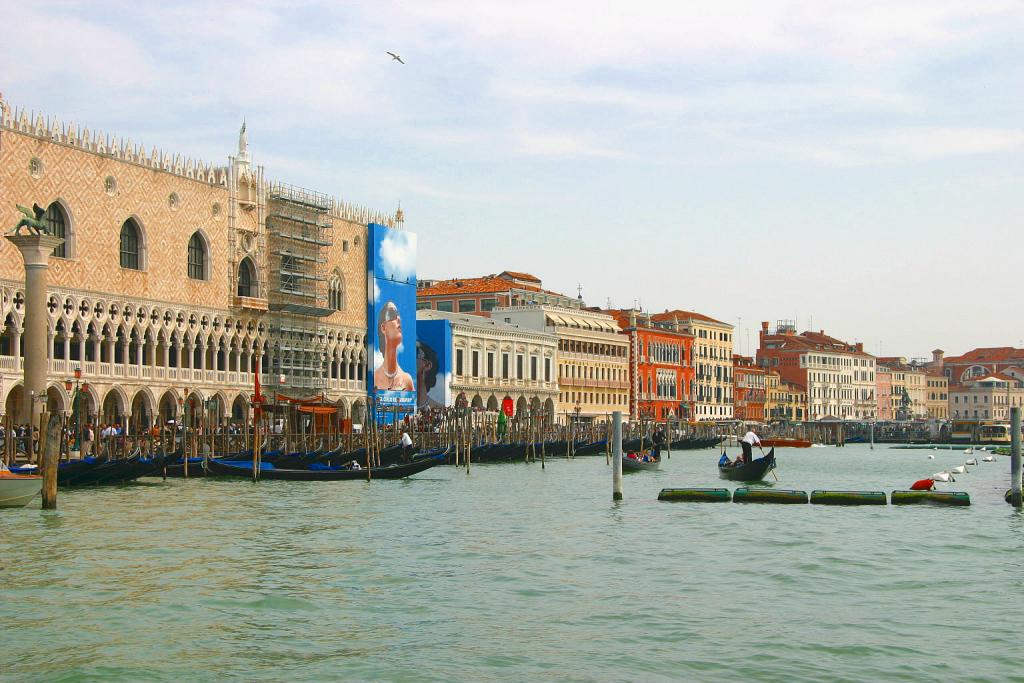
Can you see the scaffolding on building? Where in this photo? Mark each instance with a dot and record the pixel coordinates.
(299, 232)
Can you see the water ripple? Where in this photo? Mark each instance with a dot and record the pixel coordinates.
(515, 573)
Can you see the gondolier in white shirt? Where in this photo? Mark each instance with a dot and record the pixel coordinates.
(406, 446)
(749, 440)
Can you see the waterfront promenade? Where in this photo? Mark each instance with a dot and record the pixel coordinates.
(516, 573)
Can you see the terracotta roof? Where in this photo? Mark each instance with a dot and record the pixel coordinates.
(993, 353)
(992, 375)
(520, 276)
(622, 317)
(811, 341)
(470, 285)
(488, 284)
(683, 315)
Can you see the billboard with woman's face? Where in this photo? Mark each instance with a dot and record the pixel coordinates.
(433, 364)
(391, 316)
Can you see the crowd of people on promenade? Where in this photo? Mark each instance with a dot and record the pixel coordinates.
(110, 438)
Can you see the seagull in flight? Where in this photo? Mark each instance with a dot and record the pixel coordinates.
(397, 58)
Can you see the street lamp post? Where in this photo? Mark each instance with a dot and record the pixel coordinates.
(79, 387)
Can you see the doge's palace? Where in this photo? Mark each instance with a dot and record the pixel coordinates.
(163, 294)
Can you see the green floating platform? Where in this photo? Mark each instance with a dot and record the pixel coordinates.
(696, 495)
(782, 497)
(849, 498)
(955, 498)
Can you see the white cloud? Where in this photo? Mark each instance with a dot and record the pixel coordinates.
(398, 255)
(900, 145)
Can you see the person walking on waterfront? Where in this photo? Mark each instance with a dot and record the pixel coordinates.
(87, 439)
(749, 440)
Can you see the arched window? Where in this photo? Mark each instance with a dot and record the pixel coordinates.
(197, 257)
(56, 225)
(130, 245)
(246, 278)
(336, 293)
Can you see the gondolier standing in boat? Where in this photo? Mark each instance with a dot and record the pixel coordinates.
(749, 440)
(407, 448)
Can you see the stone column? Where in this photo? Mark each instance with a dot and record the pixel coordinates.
(36, 251)
(16, 348)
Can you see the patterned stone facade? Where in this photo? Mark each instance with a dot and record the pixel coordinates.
(179, 326)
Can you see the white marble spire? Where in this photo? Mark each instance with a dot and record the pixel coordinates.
(243, 143)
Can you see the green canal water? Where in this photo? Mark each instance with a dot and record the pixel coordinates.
(516, 573)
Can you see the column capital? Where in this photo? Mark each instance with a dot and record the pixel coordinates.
(35, 249)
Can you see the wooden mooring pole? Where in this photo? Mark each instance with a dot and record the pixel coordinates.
(49, 453)
(1015, 473)
(617, 459)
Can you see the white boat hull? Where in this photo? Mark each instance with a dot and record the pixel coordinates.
(17, 492)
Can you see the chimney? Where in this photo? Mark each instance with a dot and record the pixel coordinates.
(937, 356)
(859, 347)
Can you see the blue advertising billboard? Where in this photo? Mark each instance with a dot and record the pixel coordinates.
(433, 364)
(391, 317)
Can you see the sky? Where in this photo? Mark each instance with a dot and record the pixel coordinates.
(853, 166)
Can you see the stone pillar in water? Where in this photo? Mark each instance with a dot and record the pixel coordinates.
(36, 251)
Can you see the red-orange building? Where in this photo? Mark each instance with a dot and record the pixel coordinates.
(481, 295)
(660, 367)
(749, 391)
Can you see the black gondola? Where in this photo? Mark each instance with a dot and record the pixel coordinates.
(752, 471)
(596, 448)
(96, 472)
(269, 471)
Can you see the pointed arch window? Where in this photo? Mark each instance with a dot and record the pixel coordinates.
(246, 278)
(336, 293)
(57, 225)
(197, 257)
(131, 241)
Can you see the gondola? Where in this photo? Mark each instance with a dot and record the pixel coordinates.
(176, 467)
(322, 473)
(693, 443)
(100, 472)
(497, 452)
(595, 448)
(635, 464)
(752, 471)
